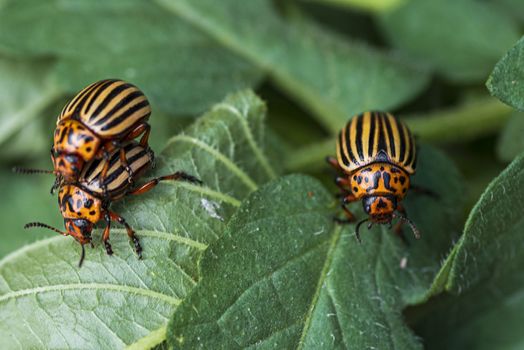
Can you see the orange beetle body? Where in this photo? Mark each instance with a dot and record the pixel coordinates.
(377, 155)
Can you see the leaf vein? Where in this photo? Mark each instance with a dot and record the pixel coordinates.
(329, 258)
(241, 174)
(261, 157)
(92, 286)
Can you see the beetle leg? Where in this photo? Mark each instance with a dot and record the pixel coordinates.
(103, 174)
(105, 236)
(333, 162)
(350, 217)
(143, 128)
(424, 191)
(342, 182)
(123, 160)
(179, 175)
(130, 232)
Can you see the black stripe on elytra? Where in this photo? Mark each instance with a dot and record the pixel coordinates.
(112, 177)
(348, 144)
(108, 99)
(106, 83)
(402, 151)
(411, 152)
(80, 95)
(126, 115)
(130, 161)
(371, 142)
(390, 137)
(381, 137)
(358, 138)
(124, 102)
(81, 104)
(343, 157)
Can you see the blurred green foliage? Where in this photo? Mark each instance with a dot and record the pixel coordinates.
(314, 62)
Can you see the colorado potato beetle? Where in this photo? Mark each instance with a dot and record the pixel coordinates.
(94, 123)
(377, 155)
(84, 203)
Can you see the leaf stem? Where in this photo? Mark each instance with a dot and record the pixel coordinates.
(463, 123)
(372, 6)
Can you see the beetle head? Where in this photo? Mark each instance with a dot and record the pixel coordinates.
(79, 229)
(380, 208)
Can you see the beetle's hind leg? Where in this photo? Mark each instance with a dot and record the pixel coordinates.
(334, 163)
(424, 191)
(125, 164)
(179, 175)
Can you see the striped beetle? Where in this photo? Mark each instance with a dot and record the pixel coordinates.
(94, 123)
(84, 203)
(377, 155)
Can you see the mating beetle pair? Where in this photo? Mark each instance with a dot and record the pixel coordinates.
(377, 155)
(96, 160)
(86, 201)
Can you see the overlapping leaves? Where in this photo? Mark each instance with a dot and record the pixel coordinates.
(46, 301)
(483, 273)
(284, 276)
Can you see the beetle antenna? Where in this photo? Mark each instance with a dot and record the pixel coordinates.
(357, 229)
(82, 256)
(20, 170)
(41, 224)
(414, 228)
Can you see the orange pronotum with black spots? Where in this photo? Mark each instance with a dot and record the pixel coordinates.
(377, 155)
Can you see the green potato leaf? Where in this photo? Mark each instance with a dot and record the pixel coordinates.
(483, 275)
(506, 82)
(284, 276)
(511, 143)
(462, 40)
(46, 301)
(180, 69)
(326, 74)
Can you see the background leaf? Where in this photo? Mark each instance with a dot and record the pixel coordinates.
(511, 142)
(180, 69)
(484, 271)
(25, 92)
(460, 39)
(115, 300)
(283, 276)
(506, 82)
(368, 5)
(332, 78)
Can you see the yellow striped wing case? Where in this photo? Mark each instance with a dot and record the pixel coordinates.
(374, 137)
